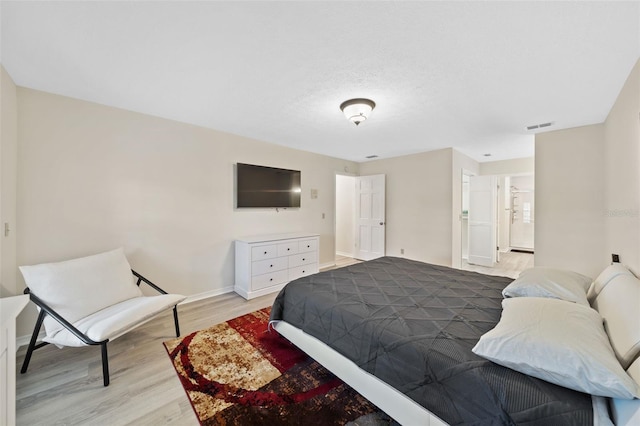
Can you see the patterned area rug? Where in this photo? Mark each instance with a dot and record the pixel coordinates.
(238, 373)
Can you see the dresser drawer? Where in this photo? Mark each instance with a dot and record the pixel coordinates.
(264, 252)
(302, 259)
(302, 271)
(267, 280)
(307, 245)
(269, 265)
(287, 248)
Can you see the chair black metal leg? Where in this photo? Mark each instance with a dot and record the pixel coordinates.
(32, 343)
(105, 364)
(175, 320)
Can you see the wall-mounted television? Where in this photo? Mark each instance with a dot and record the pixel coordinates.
(261, 186)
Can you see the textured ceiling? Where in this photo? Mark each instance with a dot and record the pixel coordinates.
(468, 75)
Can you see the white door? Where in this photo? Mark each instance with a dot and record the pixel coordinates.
(482, 220)
(370, 217)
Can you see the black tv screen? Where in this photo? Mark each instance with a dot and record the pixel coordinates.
(260, 186)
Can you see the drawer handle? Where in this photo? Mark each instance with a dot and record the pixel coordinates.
(308, 246)
(270, 266)
(270, 279)
(304, 258)
(265, 252)
(303, 271)
(288, 249)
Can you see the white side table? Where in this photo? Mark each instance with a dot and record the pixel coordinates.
(10, 307)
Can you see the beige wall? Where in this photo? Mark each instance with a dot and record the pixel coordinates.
(622, 175)
(418, 204)
(514, 166)
(91, 178)
(8, 175)
(588, 190)
(569, 182)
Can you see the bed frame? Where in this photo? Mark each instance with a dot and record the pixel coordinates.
(396, 404)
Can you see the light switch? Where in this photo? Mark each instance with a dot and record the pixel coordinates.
(314, 194)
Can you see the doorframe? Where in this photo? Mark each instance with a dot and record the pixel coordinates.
(456, 260)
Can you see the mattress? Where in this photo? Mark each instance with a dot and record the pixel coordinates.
(413, 325)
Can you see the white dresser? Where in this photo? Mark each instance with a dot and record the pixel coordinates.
(10, 307)
(266, 263)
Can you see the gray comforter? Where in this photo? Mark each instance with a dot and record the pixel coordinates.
(413, 325)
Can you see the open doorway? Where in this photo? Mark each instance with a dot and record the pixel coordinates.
(360, 216)
(345, 219)
(514, 230)
(522, 212)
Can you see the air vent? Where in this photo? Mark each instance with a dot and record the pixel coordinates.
(540, 126)
(371, 156)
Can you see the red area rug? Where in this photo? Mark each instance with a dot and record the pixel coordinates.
(238, 373)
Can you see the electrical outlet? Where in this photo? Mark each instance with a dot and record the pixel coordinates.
(401, 251)
(615, 258)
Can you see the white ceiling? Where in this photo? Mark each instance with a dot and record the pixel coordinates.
(468, 75)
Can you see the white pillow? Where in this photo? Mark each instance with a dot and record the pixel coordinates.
(548, 282)
(560, 342)
(609, 273)
(79, 287)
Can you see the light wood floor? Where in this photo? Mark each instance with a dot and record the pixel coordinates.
(64, 386)
(510, 265)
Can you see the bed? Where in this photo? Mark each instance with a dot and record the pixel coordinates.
(403, 332)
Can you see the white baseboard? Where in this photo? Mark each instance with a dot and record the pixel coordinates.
(206, 295)
(327, 265)
(344, 253)
(24, 340)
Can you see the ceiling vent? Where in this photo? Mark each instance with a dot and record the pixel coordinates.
(540, 126)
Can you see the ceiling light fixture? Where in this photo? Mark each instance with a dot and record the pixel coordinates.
(357, 110)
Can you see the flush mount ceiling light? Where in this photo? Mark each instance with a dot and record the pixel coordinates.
(357, 110)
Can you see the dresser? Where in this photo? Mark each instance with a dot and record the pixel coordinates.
(264, 264)
(10, 307)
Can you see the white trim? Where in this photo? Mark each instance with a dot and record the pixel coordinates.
(206, 295)
(257, 293)
(343, 253)
(327, 265)
(25, 339)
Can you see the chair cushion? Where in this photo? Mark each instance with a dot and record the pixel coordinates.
(115, 320)
(80, 287)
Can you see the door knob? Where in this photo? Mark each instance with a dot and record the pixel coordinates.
(381, 223)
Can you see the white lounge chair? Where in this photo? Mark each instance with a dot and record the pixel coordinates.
(90, 301)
